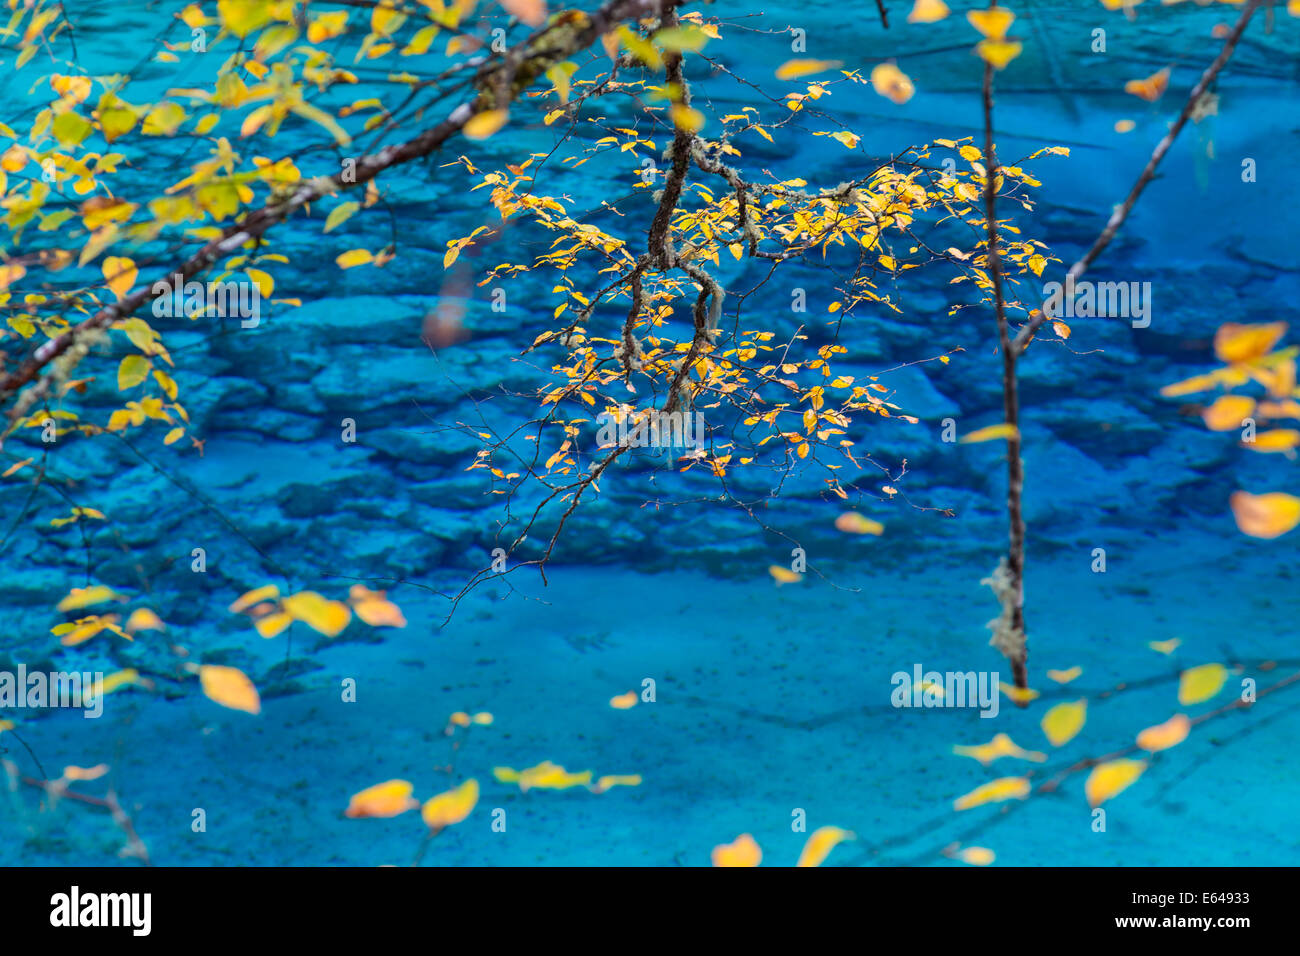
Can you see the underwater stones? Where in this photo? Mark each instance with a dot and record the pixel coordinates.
(1103, 429)
(916, 395)
(424, 446)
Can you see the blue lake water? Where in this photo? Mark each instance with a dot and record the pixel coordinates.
(772, 704)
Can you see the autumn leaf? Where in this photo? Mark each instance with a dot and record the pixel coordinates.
(450, 807)
(230, 687)
(992, 23)
(742, 851)
(317, 612)
(1151, 88)
(1265, 516)
(990, 433)
(1111, 778)
(793, 69)
(1163, 736)
(482, 125)
(1197, 684)
(996, 791)
(388, 799)
(120, 274)
(84, 597)
(892, 83)
(820, 843)
(1063, 722)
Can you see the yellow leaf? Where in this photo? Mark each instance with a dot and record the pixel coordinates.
(173, 436)
(388, 799)
(1235, 342)
(624, 701)
(784, 575)
(992, 23)
(120, 274)
(1265, 516)
(1163, 736)
(927, 11)
(143, 619)
(374, 608)
(1277, 439)
(532, 12)
(133, 370)
(1197, 684)
(1151, 88)
(1109, 779)
(742, 851)
(328, 617)
(1000, 746)
(820, 843)
(450, 807)
(995, 791)
(685, 118)
(793, 69)
(242, 17)
(998, 52)
(84, 597)
(892, 83)
(976, 855)
(616, 780)
(990, 433)
(340, 214)
(1064, 677)
(1064, 721)
(268, 592)
(854, 523)
(230, 687)
(482, 125)
(354, 257)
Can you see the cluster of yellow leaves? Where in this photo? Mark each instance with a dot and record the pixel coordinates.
(551, 776)
(72, 633)
(1063, 722)
(1250, 358)
(745, 851)
(271, 613)
(392, 798)
(811, 406)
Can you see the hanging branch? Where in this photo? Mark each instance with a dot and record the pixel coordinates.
(497, 82)
(1007, 580)
(1123, 209)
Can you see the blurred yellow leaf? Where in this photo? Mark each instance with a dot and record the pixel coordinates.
(451, 807)
(230, 687)
(793, 69)
(995, 791)
(1064, 721)
(388, 799)
(1111, 778)
(820, 843)
(742, 851)
(1197, 684)
(1163, 736)
(1265, 516)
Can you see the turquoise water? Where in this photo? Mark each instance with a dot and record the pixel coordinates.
(768, 700)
